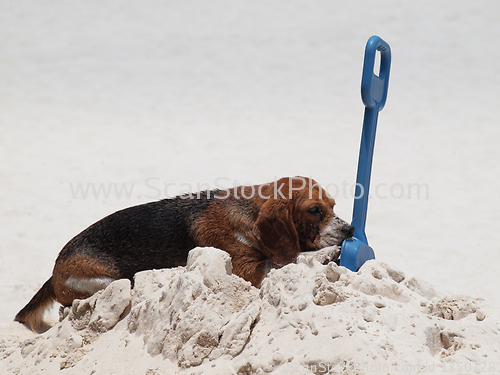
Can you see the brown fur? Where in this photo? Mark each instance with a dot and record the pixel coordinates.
(79, 267)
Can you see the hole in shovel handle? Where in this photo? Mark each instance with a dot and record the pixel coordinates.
(376, 65)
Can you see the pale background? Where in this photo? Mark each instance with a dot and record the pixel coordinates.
(154, 92)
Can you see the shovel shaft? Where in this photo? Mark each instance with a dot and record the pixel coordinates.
(364, 173)
(374, 94)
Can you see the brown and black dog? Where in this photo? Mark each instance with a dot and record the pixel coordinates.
(260, 226)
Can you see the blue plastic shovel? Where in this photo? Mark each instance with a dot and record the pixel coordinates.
(355, 251)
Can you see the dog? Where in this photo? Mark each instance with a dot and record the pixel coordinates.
(260, 226)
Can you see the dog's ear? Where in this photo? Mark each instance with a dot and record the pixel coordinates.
(278, 238)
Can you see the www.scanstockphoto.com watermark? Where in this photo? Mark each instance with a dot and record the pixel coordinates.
(155, 188)
(384, 368)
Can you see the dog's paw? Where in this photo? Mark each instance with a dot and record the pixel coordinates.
(325, 255)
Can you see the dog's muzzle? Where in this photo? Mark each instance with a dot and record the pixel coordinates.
(335, 232)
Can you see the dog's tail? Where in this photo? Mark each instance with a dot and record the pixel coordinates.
(32, 313)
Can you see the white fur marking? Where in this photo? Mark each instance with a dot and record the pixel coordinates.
(240, 237)
(91, 285)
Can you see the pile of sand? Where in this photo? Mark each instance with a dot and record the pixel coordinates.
(306, 318)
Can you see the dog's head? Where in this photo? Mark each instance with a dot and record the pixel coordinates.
(298, 215)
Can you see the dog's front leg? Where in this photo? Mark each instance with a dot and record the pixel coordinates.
(323, 256)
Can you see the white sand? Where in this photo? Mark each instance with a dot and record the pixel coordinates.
(306, 318)
(150, 93)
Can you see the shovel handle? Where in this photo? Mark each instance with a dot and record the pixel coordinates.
(373, 87)
(374, 94)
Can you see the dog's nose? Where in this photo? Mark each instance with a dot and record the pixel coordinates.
(348, 230)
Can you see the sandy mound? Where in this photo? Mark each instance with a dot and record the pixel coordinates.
(306, 318)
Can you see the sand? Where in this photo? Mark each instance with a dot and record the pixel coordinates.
(145, 100)
(306, 318)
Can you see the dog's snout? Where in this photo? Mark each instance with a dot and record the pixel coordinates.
(348, 230)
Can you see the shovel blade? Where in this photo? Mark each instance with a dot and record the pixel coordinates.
(355, 253)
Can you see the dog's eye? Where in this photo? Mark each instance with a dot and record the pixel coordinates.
(314, 211)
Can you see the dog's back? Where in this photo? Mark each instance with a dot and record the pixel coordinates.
(149, 231)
